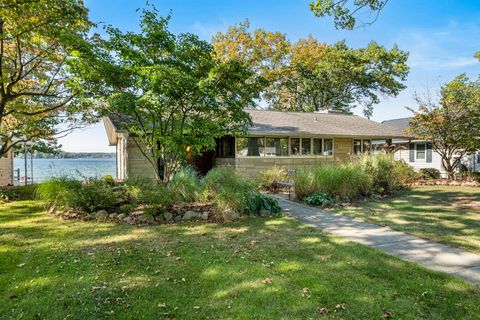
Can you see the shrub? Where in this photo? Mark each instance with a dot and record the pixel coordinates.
(270, 177)
(185, 185)
(429, 173)
(126, 208)
(387, 174)
(346, 181)
(233, 194)
(18, 193)
(319, 199)
(93, 195)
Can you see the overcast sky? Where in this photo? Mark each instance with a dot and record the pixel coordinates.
(441, 36)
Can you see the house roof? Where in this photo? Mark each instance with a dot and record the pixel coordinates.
(401, 123)
(319, 123)
(266, 122)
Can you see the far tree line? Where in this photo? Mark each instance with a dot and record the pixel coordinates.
(176, 93)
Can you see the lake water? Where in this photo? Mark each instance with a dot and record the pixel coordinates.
(77, 168)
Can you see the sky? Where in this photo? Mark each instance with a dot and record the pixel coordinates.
(441, 36)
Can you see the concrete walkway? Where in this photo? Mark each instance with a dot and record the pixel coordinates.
(427, 253)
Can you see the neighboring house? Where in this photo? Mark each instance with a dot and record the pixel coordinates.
(288, 139)
(419, 153)
(6, 169)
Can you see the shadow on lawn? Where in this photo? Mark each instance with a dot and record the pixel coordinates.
(195, 271)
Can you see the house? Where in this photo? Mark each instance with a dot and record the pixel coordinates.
(6, 169)
(419, 153)
(288, 139)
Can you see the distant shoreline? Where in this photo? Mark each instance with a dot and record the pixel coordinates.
(72, 155)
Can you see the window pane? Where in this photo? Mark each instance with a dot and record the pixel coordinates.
(242, 144)
(294, 146)
(229, 147)
(357, 146)
(421, 151)
(281, 147)
(255, 147)
(306, 146)
(317, 146)
(327, 147)
(276, 147)
(367, 146)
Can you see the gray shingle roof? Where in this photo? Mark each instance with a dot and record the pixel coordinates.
(301, 123)
(330, 124)
(401, 123)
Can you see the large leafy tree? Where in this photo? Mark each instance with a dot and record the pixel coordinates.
(310, 76)
(38, 41)
(452, 124)
(346, 13)
(170, 92)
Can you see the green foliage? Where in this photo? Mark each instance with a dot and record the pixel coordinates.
(429, 173)
(309, 75)
(38, 41)
(271, 176)
(68, 193)
(344, 12)
(452, 124)
(126, 208)
(319, 199)
(170, 92)
(387, 174)
(345, 181)
(233, 194)
(185, 185)
(18, 193)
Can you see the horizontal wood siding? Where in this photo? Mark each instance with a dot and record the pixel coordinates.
(137, 164)
(6, 169)
(403, 153)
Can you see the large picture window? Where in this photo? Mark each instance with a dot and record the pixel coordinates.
(295, 146)
(306, 146)
(278, 147)
(328, 147)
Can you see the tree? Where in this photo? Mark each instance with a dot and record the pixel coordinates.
(170, 92)
(453, 125)
(38, 100)
(309, 75)
(345, 12)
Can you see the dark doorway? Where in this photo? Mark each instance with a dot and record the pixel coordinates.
(204, 162)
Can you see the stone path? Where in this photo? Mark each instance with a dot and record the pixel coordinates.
(430, 254)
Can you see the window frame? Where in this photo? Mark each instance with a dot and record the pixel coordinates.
(300, 155)
(424, 151)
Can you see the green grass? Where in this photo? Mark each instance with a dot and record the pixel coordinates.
(432, 212)
(55, 269)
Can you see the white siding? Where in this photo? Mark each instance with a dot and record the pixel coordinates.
(403, 153)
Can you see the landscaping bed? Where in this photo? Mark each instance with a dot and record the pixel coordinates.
(220, 196)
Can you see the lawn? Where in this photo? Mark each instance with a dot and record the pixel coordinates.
(442, 213)
(262, 268)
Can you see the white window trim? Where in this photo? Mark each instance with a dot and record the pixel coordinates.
(424, 151)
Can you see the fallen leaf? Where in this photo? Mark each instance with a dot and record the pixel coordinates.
(387, 315)
(340, 306)
(322, 309)
(20, 265)
(267, 280)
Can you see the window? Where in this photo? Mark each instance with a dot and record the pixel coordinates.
(328, 147)
(420, 150)
(295, 146)
(367, 146)
(225, 147)
(251, 147)
(317, 146)
(478, 157)
(357, 146)
(306, 146)
(276, 147)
